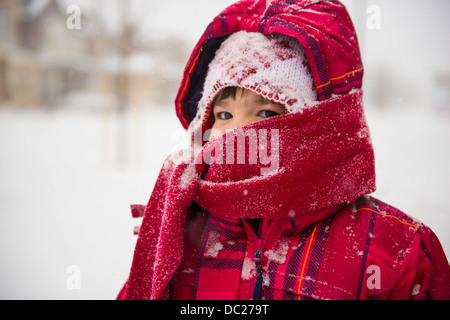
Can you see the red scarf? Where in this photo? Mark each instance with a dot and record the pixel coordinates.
(304, 162)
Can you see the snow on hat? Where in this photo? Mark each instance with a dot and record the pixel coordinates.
(273, 66)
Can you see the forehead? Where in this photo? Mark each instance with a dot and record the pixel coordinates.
(234, 93)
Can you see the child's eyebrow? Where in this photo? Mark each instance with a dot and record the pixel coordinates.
(263, 100)
(221, 103)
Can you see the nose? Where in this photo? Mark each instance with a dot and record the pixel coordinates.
(236, 123)
(240, 122)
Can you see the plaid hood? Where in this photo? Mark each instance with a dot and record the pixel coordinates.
(323, 28)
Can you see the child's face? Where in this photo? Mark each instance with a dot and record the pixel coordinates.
(245, 107)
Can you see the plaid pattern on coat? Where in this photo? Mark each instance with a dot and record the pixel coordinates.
(365, 250)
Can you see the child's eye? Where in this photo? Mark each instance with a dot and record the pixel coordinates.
(224, 115)
(268, 114)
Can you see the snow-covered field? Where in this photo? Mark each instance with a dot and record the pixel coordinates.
(65, 227)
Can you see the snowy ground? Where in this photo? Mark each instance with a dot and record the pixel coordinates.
(64, 201)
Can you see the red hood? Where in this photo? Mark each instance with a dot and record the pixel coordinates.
(323, 28)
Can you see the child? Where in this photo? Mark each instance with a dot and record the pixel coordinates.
(271, 200)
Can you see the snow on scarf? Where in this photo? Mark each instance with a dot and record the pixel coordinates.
(312, 160)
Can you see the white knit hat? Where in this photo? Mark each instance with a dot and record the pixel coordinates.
(274, 67)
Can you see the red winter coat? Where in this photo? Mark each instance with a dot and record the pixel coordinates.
(366, 250)
(326, 240)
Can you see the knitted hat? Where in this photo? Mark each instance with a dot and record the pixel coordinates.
(274, 67)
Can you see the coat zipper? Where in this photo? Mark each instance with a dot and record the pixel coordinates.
(259, 279)
(258, 257)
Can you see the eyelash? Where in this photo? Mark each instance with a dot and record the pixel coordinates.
(271, 113)
(220, 115)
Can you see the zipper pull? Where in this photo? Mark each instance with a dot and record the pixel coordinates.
(258, 251)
